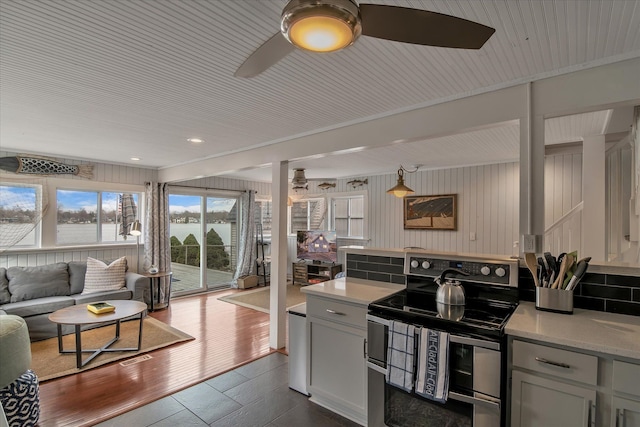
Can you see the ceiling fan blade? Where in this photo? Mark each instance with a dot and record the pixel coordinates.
(418, 26)
(271, 51)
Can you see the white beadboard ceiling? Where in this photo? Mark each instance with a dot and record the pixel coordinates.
(108, 80)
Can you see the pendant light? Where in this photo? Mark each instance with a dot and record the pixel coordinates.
(400, 190)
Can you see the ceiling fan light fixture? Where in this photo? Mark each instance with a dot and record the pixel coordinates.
(400, 190)
(321, 26)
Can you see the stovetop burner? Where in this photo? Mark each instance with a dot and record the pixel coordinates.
(490, 286)
(482, 314)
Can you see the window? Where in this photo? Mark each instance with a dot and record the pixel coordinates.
(308, 214)
(20, 215)
(85, 217)
(348, 216)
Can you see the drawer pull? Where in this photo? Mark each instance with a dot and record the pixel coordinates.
(337, 313)
(551, 362)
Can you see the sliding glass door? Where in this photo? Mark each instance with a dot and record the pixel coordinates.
(203, 232)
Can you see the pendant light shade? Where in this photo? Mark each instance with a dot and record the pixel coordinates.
(400, 190)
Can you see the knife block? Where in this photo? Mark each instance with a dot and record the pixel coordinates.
(556, 300)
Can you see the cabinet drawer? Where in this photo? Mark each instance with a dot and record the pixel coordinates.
(553, 361)
(337, 311)
(626, 377)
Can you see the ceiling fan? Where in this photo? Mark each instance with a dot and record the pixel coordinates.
(330, 25)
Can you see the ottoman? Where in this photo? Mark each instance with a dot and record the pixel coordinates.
(19, 392)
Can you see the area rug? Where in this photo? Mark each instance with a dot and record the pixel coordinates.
(258, 299)
(48, 363)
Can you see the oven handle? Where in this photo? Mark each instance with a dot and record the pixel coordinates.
(452, 394)
(474, 342)
(452, 338)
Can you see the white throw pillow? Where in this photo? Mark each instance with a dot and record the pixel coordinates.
(101, 277)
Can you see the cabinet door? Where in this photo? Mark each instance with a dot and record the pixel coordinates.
(625, 412)
(540, 402)
(337, 374)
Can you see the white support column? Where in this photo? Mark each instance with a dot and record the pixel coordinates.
(593, 196)
(531, 176)
(278, 293)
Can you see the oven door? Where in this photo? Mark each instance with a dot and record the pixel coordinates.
(474, 385)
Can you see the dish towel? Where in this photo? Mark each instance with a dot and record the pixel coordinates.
(432, 379)
(400, 355)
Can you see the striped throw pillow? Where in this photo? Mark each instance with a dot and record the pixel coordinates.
(101, 277)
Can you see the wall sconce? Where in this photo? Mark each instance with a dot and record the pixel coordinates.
(136, 230)
(401, 190)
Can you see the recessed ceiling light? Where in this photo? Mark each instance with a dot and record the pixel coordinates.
(136, 159)
(195, 140)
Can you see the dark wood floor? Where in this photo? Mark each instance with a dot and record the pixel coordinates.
(227, 336)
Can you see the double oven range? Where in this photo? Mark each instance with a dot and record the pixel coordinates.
(477, 344)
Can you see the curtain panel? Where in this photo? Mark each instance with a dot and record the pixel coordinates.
(157, 243)
(247, 245)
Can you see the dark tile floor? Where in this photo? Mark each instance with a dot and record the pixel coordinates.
(256, 394)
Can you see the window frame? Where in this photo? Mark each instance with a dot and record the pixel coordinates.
(349, 217)
(98, 214)
(330, 220)
(38, 207)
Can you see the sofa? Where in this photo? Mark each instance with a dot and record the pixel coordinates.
(35, 292)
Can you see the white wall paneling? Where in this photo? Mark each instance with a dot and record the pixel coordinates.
(487, 199)
(34, 258)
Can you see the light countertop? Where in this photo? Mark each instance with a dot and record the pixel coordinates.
(358, 291)
(607, 333)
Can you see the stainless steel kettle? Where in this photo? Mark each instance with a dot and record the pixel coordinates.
(450, 291)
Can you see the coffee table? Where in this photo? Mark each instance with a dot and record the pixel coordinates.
(78, 315)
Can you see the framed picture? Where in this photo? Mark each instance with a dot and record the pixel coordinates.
(430, 212)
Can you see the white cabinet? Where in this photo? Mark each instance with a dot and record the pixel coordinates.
(625, 402)
(541, 402)
(337, 364)
(552, 387)
(625, 412)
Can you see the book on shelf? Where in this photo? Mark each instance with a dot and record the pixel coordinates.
(100, 307)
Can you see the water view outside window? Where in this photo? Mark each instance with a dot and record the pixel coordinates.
(18, 215)
(190, 229)
(86, 217)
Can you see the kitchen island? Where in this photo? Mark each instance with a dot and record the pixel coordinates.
(336, 340)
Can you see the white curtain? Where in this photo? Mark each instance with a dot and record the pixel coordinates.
(247, 245)
(157, 244)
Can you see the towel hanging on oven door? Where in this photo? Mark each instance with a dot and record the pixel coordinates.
(432, 378)
(400, 355)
